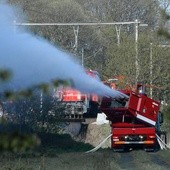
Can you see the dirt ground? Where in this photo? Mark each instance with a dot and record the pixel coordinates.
(100, 160)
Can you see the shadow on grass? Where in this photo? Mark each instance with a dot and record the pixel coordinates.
(50, 144)
(61, 143)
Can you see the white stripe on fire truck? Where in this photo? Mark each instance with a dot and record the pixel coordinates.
(154, 103)
(146, 119)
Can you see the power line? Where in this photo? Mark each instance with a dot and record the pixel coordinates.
(78, 23)
(136, 23)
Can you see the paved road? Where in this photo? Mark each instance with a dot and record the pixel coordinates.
(142, 160)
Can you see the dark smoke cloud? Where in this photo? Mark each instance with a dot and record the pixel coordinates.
(33, 60)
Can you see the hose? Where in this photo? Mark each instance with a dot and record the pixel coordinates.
(99, 146)
(162, 144)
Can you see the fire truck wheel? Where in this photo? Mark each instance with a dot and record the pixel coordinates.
(154, 148)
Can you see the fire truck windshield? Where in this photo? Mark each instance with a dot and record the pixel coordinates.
(117, 104)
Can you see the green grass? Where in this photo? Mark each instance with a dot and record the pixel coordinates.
(49, 142)
(55, 143)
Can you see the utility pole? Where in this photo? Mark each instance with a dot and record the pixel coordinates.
(41, 101)
(137, 24)
(76, 27)
(76, 31)
(82, 57)
(151, 70)
(136, 48)
(118, 33)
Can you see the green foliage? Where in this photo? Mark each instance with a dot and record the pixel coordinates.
(101, 51)
(44, 87)
(164, 33)
(57, 83)
(166, 112)
(25, 109)
(9, 95)
(15, 141)
(25, 93)
(52, 143)
(41, 111)
(5, 75)
(121, 59)
(94, 40)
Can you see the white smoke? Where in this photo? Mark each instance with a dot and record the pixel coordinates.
(33, 60)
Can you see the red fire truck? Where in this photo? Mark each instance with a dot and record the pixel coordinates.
(77, 105)
(134, 121)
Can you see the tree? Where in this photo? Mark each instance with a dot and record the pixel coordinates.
(124, 10)
(99, 43)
